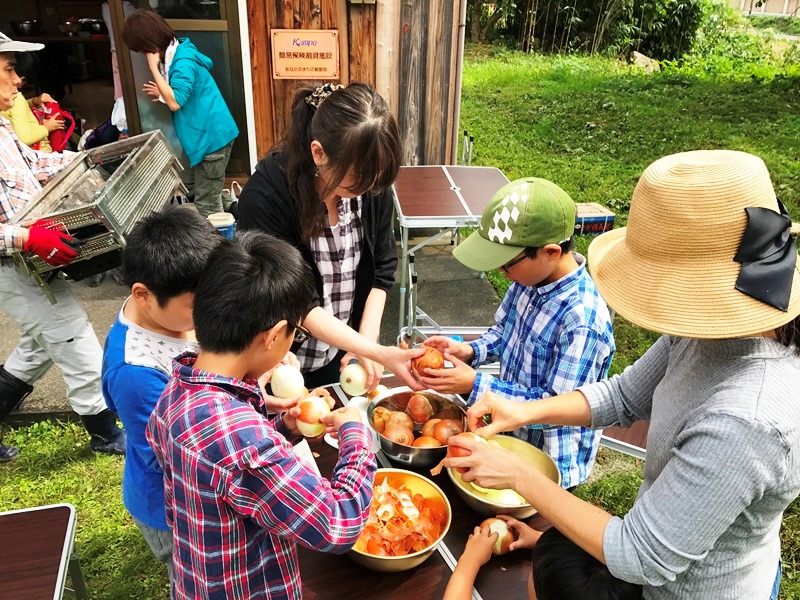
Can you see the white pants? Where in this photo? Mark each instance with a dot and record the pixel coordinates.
(52, 333)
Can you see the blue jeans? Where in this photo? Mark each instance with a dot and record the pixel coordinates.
(776, 588)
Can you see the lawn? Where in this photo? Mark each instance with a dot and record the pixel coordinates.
(590, 124)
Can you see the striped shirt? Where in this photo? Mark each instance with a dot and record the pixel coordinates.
(23, 171)
(238, 499)
(550, 340)
(337, 253)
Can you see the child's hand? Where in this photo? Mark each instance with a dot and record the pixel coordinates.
(479, 546)
(444, 344)
(459, 379)
(526, 535)
(53, 123)
(339, 417)
(292, 412)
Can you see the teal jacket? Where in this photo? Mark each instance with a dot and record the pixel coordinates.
(203, 122)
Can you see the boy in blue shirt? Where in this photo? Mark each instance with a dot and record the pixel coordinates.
(162, 262)
(552, 332)
(182, 80)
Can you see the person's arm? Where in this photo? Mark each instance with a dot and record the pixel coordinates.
(284, 495)
(164, 89)
(370, 328)
(12, 239)
(26, 126)
(476, 554)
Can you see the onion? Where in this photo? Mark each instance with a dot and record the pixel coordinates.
(419, 408)
(353, 379)
(507, 497)
(379, 416)
(432, 359)
(397, 417)
(425, 441)
(287, 382)
(446, 428)
(312, 410)
(505, 535)
(458, 451)
(427, 428)
(399, 434)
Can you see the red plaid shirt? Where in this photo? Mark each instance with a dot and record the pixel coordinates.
(22, 173)
(238, 499)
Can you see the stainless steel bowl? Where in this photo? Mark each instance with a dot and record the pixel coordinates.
(397, 399)
(477, 500)
(25, 28)
(417, 484)
(70, 27)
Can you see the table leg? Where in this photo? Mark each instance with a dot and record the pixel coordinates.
(403, 275)
(77, 578)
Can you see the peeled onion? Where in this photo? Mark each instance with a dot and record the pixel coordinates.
(312, 410)
(432, 359)
(287, 382)
(419, 408)
(353, 379)
(508, 497)
(446, 428)
(399, 434)
(425, 441)
(505, 535)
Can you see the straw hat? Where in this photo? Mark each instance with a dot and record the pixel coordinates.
(672, 269)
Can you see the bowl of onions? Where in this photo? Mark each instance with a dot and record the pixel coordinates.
(489, 502)
(413, 427)
(408, 517)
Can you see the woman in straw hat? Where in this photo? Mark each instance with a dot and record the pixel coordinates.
(707, 260)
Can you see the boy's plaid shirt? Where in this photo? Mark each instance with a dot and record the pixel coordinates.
(337, 256)
(237, 497)
(22, 173)
(550, 340)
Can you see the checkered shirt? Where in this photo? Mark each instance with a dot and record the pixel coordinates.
(23, 171)
(550, 340)
(337, 258)
(238, 499)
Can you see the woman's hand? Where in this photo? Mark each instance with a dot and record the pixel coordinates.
(488, 465)
(526, 536)
(459, 379)
(151, 89)
(397, 361)
(502, 415)
(374, 370)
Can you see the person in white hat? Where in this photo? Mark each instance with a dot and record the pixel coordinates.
(50, 334)
(707, 259)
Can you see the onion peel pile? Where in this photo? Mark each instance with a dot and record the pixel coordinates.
(400, 522)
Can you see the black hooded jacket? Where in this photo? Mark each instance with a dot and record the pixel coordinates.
(267, 205)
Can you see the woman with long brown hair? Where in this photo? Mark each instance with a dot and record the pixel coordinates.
(326, 189)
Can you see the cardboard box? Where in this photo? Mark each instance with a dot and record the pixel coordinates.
(592, 218)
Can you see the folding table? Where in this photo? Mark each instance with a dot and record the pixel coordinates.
(443, 197)
(38, 550)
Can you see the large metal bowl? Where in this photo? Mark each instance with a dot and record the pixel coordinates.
(26, 28)
(477, 500)
(397, 399)
(417, 484)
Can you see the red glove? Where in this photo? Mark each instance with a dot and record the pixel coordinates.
(54, 247)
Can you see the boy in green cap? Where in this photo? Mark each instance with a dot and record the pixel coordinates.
(553, 330)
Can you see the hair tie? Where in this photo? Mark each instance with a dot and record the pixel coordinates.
(768, 256)
(319, 95)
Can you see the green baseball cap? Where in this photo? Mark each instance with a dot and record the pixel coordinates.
(529, 212)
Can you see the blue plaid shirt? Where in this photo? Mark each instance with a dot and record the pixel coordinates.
(550, 340)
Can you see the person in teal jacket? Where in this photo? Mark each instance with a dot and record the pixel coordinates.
(182, 80)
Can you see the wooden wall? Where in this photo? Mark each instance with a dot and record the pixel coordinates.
(406, 48)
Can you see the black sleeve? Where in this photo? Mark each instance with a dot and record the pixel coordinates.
(385, 245)
(263, 209)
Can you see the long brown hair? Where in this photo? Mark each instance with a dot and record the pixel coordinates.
(357, 132)
(789, 334)
(146, 31)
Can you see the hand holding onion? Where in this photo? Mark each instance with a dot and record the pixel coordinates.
(526, 536)
(505, 535)
(500, 413)
(479, 549)
(340, 416)
(487, 465)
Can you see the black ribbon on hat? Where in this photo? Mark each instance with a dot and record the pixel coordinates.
(768, 255)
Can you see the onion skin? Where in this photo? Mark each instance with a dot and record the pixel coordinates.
(505, 535)
(446, 428)
(432, 359)
(399, 434)
(379, 416)
(425, 441)
(419, 408)
(427, 428)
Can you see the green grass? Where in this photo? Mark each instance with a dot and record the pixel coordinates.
(785, 25)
